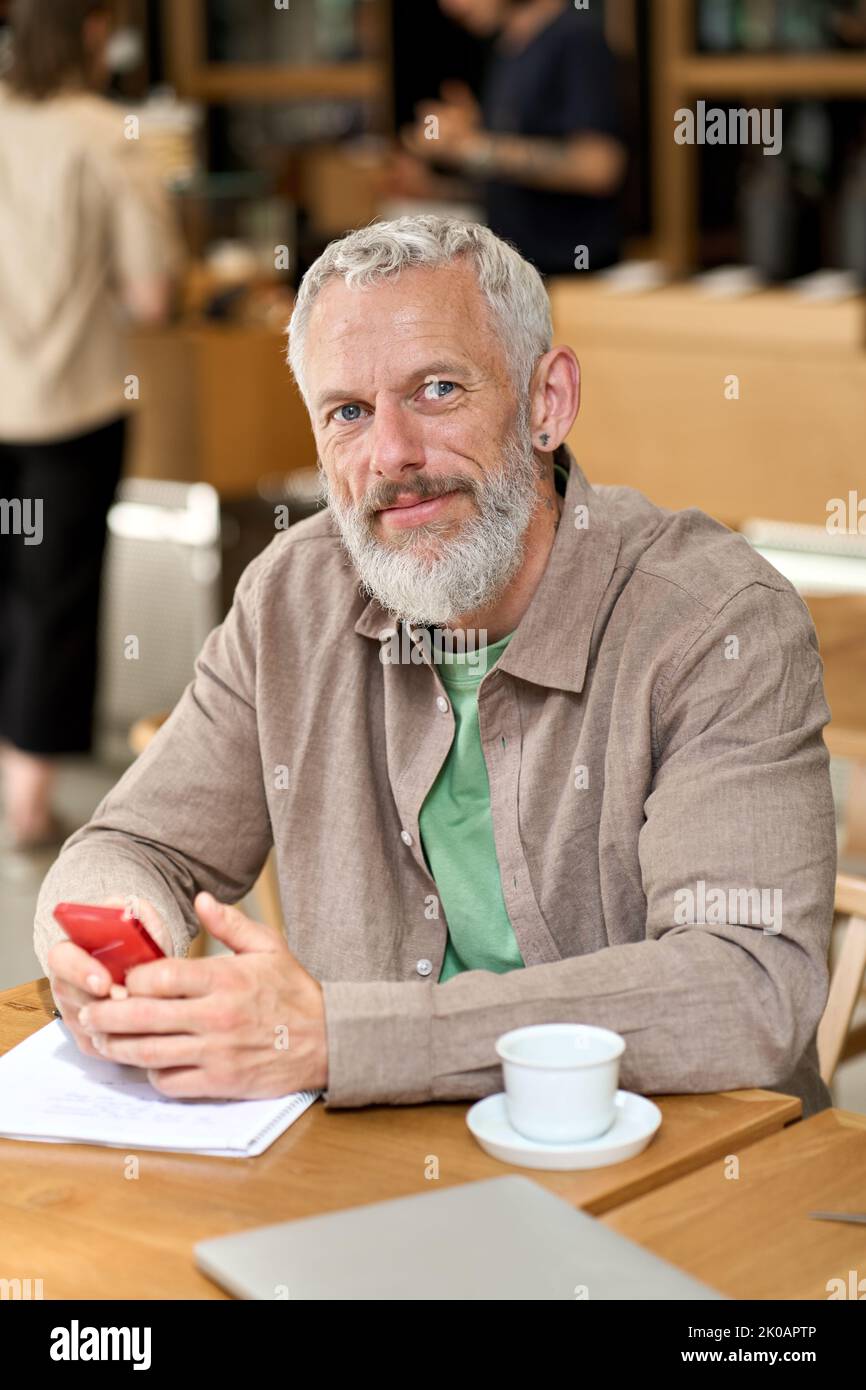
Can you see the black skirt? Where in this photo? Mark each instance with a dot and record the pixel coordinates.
(50, 568)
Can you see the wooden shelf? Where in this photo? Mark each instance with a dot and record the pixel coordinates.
(194, 74)
(682, 76)
(260, 82)
(773, 320)
(825, 74)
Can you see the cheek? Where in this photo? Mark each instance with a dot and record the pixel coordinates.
(469, 429)
(346, 472)
(345, 477)
(333, 462)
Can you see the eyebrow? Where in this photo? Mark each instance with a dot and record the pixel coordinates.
(442, 367)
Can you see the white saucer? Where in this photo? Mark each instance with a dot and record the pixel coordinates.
(637, 1120)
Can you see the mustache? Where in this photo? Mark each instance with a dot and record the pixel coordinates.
(386, 494)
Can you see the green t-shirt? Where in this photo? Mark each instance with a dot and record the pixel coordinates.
(457, 828)
(457, 832)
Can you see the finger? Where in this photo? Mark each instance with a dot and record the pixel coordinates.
(458, 93)
(70, 1002)
(149, 1051)
(175, 977)
(187, 1083)
(231, 926)
(82, 1040)
(69, 962)
(68, 997)
(143, 1015)
(414, 143)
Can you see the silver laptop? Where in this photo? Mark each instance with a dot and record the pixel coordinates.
(503, 1238)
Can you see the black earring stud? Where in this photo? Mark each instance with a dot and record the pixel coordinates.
(544, 438)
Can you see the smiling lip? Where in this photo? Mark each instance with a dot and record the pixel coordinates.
(409, 512)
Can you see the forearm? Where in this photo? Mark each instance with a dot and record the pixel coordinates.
(590, 164)
(699, 1012)
(190, 813)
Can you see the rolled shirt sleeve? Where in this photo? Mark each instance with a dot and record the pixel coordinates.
(739, 801)
(190, 814)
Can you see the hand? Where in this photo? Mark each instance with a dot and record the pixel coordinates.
(405, 176)
(78, 979)
(457, 128)
(458, 94)
(244, 1027)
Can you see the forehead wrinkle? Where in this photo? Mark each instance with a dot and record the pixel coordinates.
(412, 310)
(351, 316)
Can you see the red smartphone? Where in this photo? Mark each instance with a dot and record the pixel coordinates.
(119, 942)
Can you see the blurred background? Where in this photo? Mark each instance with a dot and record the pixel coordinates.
(713, 292)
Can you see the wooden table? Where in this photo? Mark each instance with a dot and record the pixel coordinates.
(69, 1216)
(751, 1237)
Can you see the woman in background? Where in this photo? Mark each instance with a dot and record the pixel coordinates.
(87, 240)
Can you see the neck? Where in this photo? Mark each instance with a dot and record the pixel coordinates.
(523, 23)
(502, 617)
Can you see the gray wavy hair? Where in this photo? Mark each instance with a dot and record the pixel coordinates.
(512, 287)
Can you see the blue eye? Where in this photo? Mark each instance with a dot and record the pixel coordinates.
(433, 386)
(352, 406)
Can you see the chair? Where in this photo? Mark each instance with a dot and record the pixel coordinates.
(837, 1040)
(163, 555)
(266, 891)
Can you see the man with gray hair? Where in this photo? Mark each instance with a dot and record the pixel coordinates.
(499, 726)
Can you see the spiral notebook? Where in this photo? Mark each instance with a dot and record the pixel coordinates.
(51, 1092)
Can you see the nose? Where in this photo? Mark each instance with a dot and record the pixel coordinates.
(396, 447)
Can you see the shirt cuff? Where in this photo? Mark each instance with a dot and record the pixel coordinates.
(378, 1036)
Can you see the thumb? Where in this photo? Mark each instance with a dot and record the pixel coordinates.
(233, 928)
(458, 93)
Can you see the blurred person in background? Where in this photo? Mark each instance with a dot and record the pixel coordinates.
(544, 141)
(87, 241)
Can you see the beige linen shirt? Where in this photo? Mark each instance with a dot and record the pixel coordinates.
(82, 214)
(653, 730)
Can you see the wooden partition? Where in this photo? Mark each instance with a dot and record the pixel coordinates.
(218, 405)
(658, 413)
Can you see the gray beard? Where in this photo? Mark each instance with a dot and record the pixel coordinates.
(473, 567)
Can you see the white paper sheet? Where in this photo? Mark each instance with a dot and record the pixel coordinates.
(49, 1091)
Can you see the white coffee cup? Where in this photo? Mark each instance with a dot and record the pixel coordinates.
(560, 1080)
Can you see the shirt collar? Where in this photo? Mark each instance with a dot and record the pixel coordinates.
(551, 643)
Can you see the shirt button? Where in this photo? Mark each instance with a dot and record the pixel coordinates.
(442, 704)
(424, 967)
(406, 837)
